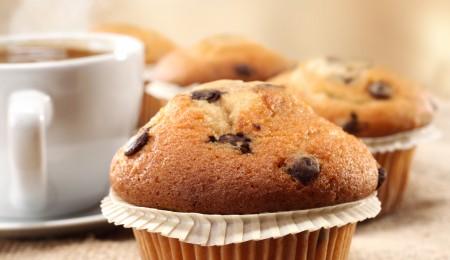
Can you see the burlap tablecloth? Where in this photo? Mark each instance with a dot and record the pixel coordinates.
(420, 229)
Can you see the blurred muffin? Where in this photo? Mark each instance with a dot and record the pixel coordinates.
(220, 57)
(369, 102)
(156, 44)
(238, 169)
(216, 57)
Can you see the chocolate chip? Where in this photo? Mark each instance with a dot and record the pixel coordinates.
(347, 80)
(380, 90)
(243, 70)
(305, 168)
(209, 95)
(239, 140)
(137, 144)
(352, 126)
(234, 139)
(245, 148)
(381, 177)
(257, 127)
(241, 135)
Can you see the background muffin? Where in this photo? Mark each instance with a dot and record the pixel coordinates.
(367, 101)
(220, 57)
(230, 147)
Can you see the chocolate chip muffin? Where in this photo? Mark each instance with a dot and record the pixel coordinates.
(233, 166)
(235, 170)
(364, 99)
(156, 44)
(220, 57)
(234, 148)
(372, 103)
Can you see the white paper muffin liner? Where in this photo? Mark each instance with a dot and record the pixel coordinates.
(218, 230)
(164, 90)
(397, 165)
(402, 141)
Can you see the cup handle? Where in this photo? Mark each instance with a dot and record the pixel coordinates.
(29, 114)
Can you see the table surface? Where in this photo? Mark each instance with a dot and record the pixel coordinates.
(419, 229)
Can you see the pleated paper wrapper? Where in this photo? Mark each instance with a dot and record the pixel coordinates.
(401, 141)
(219, 230)
(166, 91)
(395, 154)
(322, 244)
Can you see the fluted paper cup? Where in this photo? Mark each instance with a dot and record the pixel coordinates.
(395, 154)
(319, 233)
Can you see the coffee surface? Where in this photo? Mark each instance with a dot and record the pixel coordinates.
(27, 53)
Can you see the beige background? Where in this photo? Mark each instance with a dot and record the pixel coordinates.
(412, 37)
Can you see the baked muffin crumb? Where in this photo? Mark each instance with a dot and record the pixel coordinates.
(254, 148)
(364, 99)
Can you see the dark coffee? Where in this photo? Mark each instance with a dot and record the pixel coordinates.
(25, 52)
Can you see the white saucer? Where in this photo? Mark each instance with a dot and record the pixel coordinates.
(88, 220)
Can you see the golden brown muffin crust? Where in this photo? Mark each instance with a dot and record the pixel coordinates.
(156, 45)
(220, 57)
(365, 100)
(252, 148)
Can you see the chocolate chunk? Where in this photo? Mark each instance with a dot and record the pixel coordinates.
(137, 144)
(209, 95)
(347, 80)
(245, 148)
(239, 140)
(381, 177)
(234, 139)
(380, 90)
(352, 126)
(243, 70)
(257, 127)
(305, 168)
(240, 134)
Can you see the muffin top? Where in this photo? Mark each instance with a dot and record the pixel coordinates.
(230, 147)
(365, 100)
(156, 45)
(220, 57)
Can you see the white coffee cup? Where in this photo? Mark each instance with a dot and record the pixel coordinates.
(62, 121)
